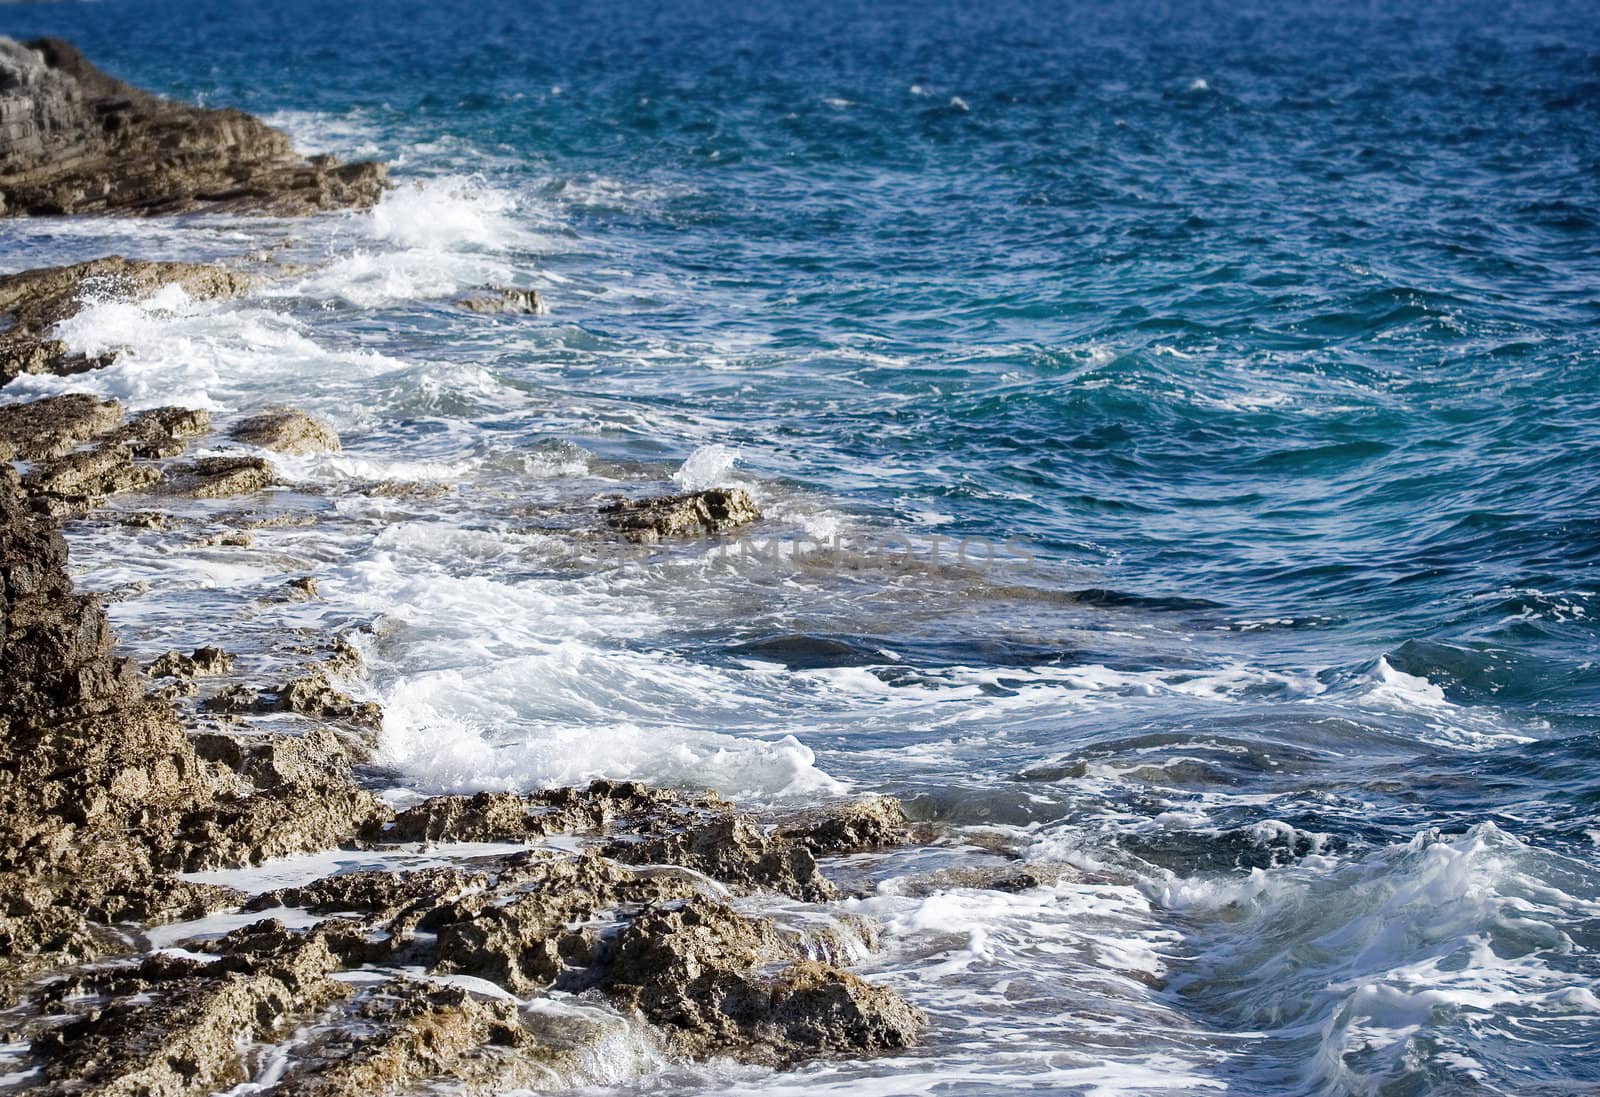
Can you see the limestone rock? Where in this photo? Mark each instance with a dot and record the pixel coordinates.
(207, 662)
(699, 970)
(40, 430)
(287, 430)
(218, 477)
(873, 823)
(693, 514)
(78, 141)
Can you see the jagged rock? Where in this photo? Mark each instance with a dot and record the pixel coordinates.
(376, 891)
(163, 432)
(79, 141)
(406, 1033)
(53, 427)
(91, 474)
(234, 699)
(268, 761)
(692, 514)
(525, 943)
(37, 300)
(505, 300)
(303, 589)
(185, 1037)
(312, 694)
(642, 827)
(293, 817)
(874, 823)
(699, 970)
(731, 848)
(217, 477)
(288, 430)
(204, 662)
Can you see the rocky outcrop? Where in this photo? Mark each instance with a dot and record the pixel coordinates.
(82, 450)
(99, 785)
(692, 514)
(287, 430)
(75, 140)
(391, 981)
(35, 301)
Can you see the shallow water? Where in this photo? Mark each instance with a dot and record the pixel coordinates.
(1260, 347)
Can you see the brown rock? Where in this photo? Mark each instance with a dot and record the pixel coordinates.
(217, 477)
(79, 141)
(693, 514)
(287, 430)
(53, 427)
(873, 823)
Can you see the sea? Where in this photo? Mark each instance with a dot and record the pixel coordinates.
(1178, 433)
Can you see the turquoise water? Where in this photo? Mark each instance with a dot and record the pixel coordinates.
(1262, 344)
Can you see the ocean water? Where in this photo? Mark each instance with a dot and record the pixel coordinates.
(1179, 427)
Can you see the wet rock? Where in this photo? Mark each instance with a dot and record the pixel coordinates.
(218, 477)
(639, 825)
(1010, 876)
(700, 971)
(53, 427)
(37, 300)
(163, 432)
(877, 822)
(206, 662)
(294, 817)
(314, 695)
(287, 430)
(79, 141)
(376, 891)
(407, 1033)
(226, 539)
(536, 939)
(692, 514)
(303, 589)
(731, 848)
(504, 300)
(91, 474)
(233, 700)
(184, 1034)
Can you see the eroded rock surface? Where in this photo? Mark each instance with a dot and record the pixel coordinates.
(287, 430)
(692, 514)
(78, 141)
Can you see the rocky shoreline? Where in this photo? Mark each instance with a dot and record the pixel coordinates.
(576, 911)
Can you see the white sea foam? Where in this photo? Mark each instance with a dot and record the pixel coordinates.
(707, 467)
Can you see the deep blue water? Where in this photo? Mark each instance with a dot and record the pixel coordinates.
(1274, 334)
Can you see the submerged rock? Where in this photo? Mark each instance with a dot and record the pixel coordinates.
(503, 300)
(287, 430)
(37, 300)
(692, 514)
(205, 662)
(78, 141)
